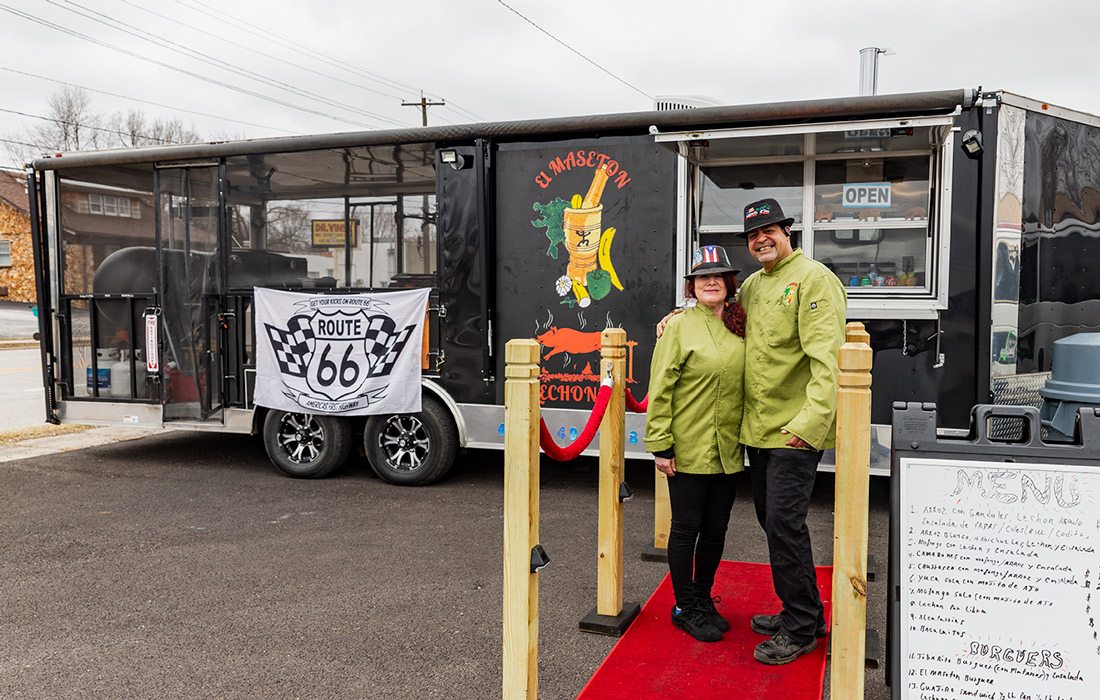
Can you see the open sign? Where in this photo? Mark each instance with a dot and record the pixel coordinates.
(866, 195)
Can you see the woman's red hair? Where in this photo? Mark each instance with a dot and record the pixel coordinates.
(734, 314)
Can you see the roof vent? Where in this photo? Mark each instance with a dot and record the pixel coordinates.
(665, 103)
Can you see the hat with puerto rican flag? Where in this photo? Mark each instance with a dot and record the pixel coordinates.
(760, 214)
(710, 260)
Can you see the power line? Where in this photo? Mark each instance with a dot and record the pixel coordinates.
(597, 65)
(228, 86)
(144, 101)
(249, 26)
(179, 48)
(87, 126)
(24, 143)
(257, 51)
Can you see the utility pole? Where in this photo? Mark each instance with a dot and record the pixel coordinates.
(423, 104)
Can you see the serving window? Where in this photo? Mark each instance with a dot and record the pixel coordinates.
(866, 198)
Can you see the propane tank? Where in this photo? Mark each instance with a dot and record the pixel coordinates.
(120, 377)
(105, 357)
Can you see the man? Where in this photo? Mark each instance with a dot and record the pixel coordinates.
(796, 309)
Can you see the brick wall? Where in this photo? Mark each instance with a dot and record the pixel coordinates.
(15, 226)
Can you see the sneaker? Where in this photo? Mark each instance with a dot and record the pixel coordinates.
(781, 649)
(694, 621)
(706, 604)
(769, 625)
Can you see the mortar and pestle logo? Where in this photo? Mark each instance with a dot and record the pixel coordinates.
(583, 223)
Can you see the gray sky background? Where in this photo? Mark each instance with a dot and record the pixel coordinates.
(489, 64)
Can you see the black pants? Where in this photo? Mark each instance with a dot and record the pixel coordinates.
(701, 506)
(782, 480)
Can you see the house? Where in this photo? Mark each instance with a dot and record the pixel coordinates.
(16, 253)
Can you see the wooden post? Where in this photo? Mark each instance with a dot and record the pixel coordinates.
(611, 616)
(521, 519)
(853, 450)
(609, 565)
(662, 519)
(662, 511)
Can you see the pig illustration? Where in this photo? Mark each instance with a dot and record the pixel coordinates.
(569, 340)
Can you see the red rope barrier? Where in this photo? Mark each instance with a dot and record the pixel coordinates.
(573, 450)
(636, 406)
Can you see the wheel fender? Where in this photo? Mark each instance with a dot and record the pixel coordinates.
(440, 393)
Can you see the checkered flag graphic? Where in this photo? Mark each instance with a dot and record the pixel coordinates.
(383, 346)
(292, 346)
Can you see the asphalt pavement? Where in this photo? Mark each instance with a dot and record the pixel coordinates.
(182, 565)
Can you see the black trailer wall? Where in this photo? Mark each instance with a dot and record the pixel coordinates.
(536, 298)
(463, 198)
(905, 352)
(1059, 281)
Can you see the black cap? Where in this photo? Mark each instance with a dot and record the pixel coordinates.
(764, 212)
(710, 260)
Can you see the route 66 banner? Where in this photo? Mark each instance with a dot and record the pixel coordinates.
(352, 354)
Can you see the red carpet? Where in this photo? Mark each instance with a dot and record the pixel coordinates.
(656, 660)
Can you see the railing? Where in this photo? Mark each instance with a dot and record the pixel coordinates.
(524, 556)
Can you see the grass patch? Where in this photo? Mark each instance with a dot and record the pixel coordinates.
(8, 437)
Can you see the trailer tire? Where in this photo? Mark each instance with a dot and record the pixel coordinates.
(306, 446)
(412, 449)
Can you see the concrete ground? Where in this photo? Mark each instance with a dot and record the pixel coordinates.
(182, 565)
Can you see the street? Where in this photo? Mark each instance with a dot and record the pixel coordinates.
(17, 321)
(22, 398)
(182, 565)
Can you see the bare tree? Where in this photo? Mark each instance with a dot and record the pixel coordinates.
(71, 124)
(288, 228)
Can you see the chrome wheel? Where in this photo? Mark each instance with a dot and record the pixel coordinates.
(301, 436)
(404, 442)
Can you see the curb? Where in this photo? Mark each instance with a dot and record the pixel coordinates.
(23, 344)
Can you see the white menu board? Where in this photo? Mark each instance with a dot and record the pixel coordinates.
(999, 570)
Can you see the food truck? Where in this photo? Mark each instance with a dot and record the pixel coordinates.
(962, 223)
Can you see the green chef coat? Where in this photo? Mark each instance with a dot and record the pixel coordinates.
(795, 329)
(695, 394)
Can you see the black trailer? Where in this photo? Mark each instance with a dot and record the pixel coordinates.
(963, 224)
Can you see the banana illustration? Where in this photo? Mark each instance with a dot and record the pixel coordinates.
(582, 295)
(605, 257)
(576, 202)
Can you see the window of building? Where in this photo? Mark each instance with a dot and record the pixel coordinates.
(5, 253)
(110, 205)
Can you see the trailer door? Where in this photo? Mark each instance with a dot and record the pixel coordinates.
(191, 265)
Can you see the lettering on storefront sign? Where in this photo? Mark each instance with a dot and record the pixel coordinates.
(583, 159)
(331, 233)
(867, 134)
(866, 194)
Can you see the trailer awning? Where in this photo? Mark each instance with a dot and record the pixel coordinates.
(793, 112)
(682, 141)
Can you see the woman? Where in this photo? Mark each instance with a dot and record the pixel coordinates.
(692, 427)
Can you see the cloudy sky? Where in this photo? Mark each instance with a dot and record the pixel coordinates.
(276, 67)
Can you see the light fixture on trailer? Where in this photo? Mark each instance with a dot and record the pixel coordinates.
(972, 143)
(452, 158)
